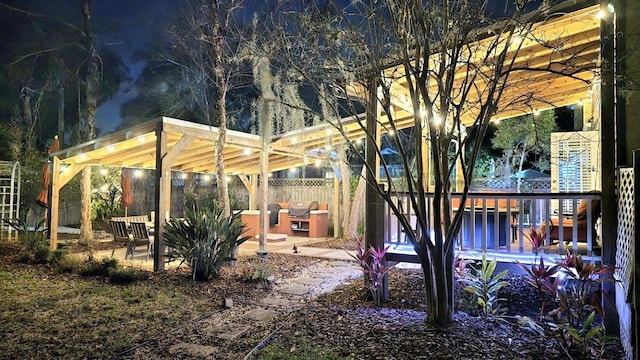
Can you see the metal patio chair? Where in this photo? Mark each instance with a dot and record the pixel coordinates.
(120, 236)
(141, 236)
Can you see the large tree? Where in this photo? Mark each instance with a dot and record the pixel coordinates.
(523, 137)
(455, 60)
(55, 49)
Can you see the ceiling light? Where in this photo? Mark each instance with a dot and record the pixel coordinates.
(611, 8)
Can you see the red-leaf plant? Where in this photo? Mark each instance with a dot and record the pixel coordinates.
(580, 297)
(541, 276)
(372, 263)
(581, 292)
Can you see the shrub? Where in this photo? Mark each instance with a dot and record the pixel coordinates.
(124, 276)
(484, 286)
(256, 271)
(204, 239)
(65, 263)
(98, 268)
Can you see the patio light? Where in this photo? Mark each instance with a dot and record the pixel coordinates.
(610, 7)
(247, 151)
(111, 149)
(137, 173)
(103, 171)
(437, 119)
(603, 14)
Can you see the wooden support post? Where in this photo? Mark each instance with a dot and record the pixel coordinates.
(164, 159)
(251, 184)
(58, 181)
(336, 206)
(374, 222)
(264, 201)
(54, 203)
(609, 164)
(253, 196)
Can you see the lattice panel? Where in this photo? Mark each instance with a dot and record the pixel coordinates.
(624, 257)
(322, 182)
(626, 233)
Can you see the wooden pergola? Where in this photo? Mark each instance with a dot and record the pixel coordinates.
(167, 144)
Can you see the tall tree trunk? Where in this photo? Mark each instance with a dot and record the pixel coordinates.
(345, 171)
(88, 122)
(218, 53)
(27, 117)
(523, 156)
(60, 89)
(357, 206)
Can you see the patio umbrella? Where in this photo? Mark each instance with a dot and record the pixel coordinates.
(530, 174)
(127, 196)
(43, 196)
(388, 151)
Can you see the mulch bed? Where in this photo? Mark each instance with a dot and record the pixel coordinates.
(344, 324)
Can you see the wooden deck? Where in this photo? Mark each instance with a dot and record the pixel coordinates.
(500, 231)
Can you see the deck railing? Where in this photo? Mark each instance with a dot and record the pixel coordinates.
(499, 223)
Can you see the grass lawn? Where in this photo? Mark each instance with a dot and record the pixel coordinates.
(43, 314)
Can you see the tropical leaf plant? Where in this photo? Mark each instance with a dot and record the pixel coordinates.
(484, 285)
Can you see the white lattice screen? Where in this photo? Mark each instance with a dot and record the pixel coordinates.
(292, 190)
(624, 256)
(575, 161)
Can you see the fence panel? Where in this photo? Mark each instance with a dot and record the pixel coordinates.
(625, 252)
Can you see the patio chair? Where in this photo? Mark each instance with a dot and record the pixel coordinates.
(120, 236)
(141, 236)
(568, 224)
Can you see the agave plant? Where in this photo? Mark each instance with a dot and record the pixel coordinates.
(204, 239)
(30, 236)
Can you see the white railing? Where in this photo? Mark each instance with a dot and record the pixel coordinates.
(499, 223)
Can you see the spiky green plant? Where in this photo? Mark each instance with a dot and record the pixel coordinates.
(204, 239)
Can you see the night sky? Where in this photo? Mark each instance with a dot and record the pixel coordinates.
(126, 27)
